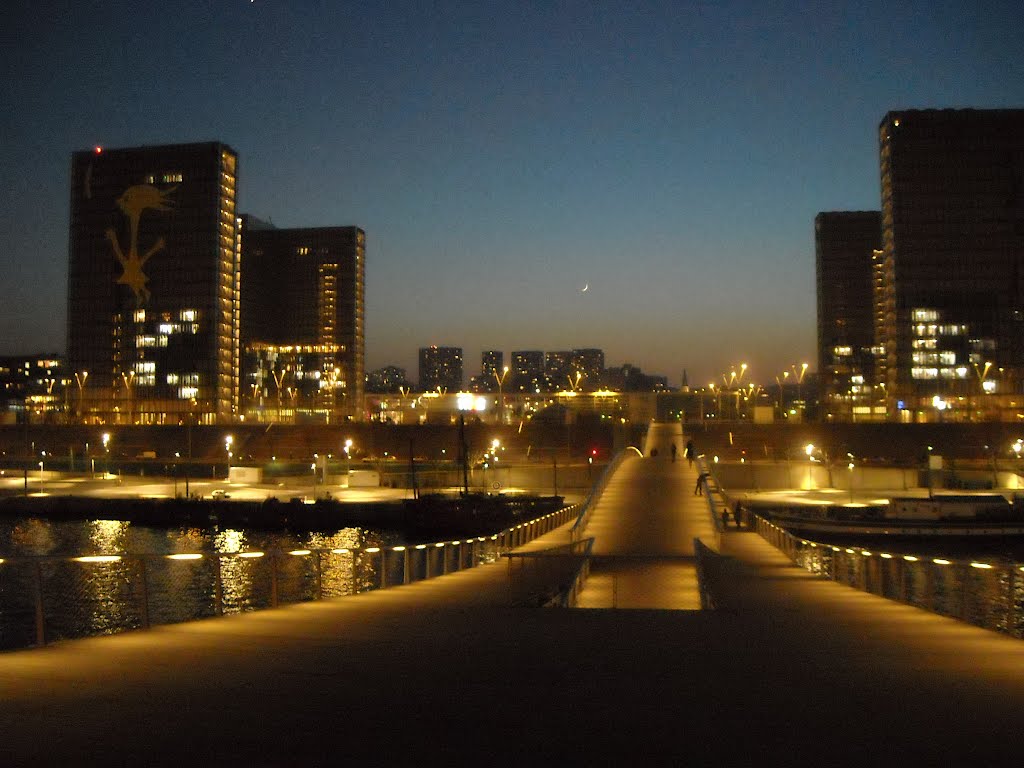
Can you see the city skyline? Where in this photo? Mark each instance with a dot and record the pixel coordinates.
(669, 160)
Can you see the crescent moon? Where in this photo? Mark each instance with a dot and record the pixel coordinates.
(585, 288)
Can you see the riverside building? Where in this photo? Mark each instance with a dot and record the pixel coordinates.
(844, 246)
(153, 284)
(949, 293)
(302, 322)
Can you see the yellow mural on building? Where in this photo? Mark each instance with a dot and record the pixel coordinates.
(132, 203)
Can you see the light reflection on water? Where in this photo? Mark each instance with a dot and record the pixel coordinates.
(99, 598)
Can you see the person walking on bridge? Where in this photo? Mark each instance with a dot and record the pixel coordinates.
(688, 453)
(701, 480)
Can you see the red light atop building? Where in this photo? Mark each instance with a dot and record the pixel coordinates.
(99, 150)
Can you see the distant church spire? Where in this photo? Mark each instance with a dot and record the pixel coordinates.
(685, 386)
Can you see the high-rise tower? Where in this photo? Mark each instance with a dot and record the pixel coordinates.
(844, 246)
(153, 284)
(950, 288)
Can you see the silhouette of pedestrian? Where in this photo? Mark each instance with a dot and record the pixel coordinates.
(673, 453)
(725, 518)
(699, 488)
(689, 452)
(737, 515)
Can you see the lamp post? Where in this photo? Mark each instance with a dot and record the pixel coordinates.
(80, 380)
(128, 380)
(279, 381)
(106, 449)
(850, 467)
(228, 441)
(799, 383)
(501, 395)
(782, 404)
(348, 461)
(809, 450)
(41, 476)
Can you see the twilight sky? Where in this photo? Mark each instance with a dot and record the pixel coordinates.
(500, 156)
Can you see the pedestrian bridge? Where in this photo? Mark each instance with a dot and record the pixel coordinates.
(789, 668)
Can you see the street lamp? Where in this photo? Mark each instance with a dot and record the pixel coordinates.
(41, 475)
(348, 461)
(850, 467)
(799, 382)
(128, 380)
(228, 440)
(106, 447)
(501, 396)
(80, 380)
(809, 450)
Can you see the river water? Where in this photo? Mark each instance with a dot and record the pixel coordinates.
(89, 598)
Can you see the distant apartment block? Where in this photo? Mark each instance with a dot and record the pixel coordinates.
(590, 363)
(389, 379)
(440, 367)
(36, 389)
(527, 371)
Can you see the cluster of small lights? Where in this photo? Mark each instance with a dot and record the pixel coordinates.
(883, 555)
(336, 551)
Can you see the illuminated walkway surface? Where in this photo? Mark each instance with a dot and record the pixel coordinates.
(790, 670)
(644, 525)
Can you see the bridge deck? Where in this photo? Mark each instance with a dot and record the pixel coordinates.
(644, 525)
(791, 669)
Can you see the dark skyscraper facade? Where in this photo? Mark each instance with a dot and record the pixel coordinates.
(950, 288)
(527, 371)
(440, 367)
(844, 247)
(153, 284)
(303, 319)
(492, 369)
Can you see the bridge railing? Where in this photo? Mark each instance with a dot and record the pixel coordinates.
(580, 526)
(550, 578)
(46, 598)
(987, 593)
(714, 498)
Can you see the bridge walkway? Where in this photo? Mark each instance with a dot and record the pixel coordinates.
(643, 526)
(790, 669)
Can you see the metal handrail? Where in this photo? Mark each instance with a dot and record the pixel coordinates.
(430, 559)
(988, 594)
(576, 532)
(566, 595)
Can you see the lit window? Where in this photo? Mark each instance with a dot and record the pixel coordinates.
(139, 316)
(172, 378)
(187, 393)
(189, 315)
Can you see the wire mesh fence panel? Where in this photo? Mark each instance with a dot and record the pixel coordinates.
(17, 605)
(337, 577)
(181, 590)
(83, 599)
(246, 583)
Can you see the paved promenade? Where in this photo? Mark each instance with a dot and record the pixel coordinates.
(790, 670)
